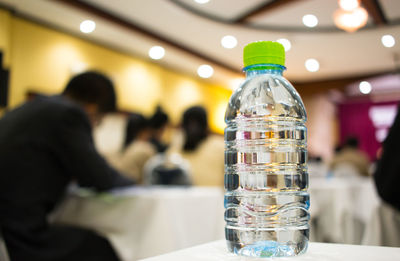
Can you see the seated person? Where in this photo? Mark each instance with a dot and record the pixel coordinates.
(384, 225)
(158, 123)
(387, 174)
(204, 151)
(316, 167)
(44, 145)
(137, 148)
(352, 158)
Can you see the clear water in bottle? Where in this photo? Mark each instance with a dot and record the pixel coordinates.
(266, 179)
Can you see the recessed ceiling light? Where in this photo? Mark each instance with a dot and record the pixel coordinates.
(349, 5)
(286, 44)
(205, 71)
(202, 1)
(87, 26)
(228, 41)
(388, 41)
(365, 87)
(310, 20)
(312, 65)
(156, 52)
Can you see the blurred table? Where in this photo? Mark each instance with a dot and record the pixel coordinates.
(217, 250)
(147, 221)
(341, 208)
(142, 222)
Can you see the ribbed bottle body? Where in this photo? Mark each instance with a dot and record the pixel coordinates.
(266, 179)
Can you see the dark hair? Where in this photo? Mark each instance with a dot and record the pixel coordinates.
(195, 126)
(352, 142)
(338, 148)
(159, 119)
(136, 123)
(92, 88)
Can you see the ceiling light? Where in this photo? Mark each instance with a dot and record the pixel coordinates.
(312, 65)
(205, 71)
(388, 41)
(349, 5)
(310, 20)
(365, 87)
(202, 1)
(228, 41)
(286, 44)
(87, 26)
(350, 21)
(156, 52)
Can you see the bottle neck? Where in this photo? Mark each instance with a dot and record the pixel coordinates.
(258, 69)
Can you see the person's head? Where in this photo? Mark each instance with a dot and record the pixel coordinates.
(94, 92)
(137, 125)
(158, 121)
(351, 142)
(195, 126)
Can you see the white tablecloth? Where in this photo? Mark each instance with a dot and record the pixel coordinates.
(143, 222)
(384, 227)
(341, 208)
(317, 251)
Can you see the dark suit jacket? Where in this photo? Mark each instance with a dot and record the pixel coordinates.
(387, 174)
(44, 145)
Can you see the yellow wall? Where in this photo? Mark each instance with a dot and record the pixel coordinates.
(5, 25)
(42, 60)
(5, 20)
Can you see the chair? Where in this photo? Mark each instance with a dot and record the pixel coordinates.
(3, 250)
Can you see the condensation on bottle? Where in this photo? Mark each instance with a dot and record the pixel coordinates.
(266, 180)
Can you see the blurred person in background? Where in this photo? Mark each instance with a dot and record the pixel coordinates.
(351, 156)
(166, 167)
(44, 145)
(158, 123)
(383, 229)
(387, 173)
(316, 167)
(137, 148)
(203, 151)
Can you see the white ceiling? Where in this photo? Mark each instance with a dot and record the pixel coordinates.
(199, 29)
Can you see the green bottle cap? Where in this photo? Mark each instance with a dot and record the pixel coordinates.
(263, 52)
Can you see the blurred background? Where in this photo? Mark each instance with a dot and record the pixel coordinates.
(344, 64)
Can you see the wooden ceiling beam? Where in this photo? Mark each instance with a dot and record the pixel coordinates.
(265, 7)
(139, 29)
(374, 9)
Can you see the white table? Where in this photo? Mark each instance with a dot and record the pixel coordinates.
(217, 250)
(342, 207)
(142, 222)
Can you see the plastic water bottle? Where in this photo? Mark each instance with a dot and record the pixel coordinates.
(266, 179)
